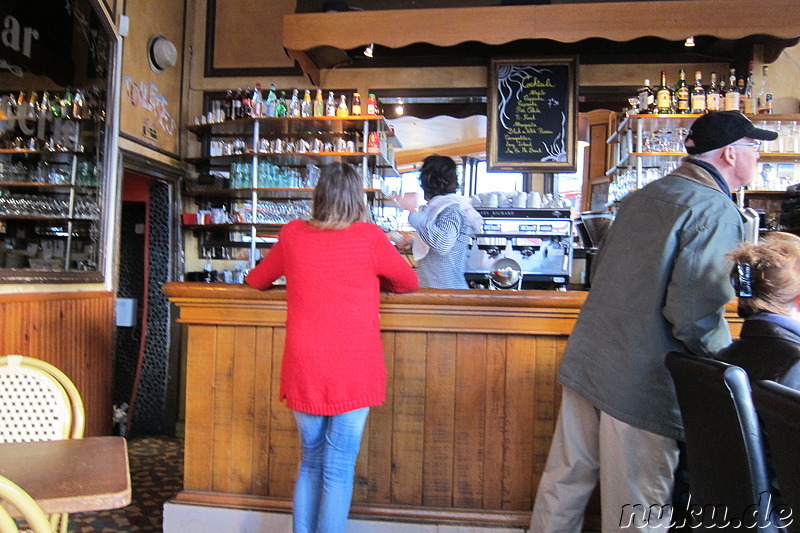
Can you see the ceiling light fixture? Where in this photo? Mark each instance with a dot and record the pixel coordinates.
(369, 50)
(399, 107)
(689, 41)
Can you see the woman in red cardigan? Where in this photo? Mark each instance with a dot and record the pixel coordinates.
(332, 372)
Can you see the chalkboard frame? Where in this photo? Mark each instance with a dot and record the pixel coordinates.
(505, 162)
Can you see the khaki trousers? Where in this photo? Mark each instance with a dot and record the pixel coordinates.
(634, 467)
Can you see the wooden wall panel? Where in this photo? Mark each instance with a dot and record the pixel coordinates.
(74, 332)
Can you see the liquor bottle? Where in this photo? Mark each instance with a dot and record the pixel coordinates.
(356, 104)
(237, 103)
(732, 95)
(740, 89)
(271, 106)
(78, 105)
(66, 104)
(682, 93)
(45, 105)
(699, 103)
(765, 95)
(330, 105)
(305, 105)
(294, 104)
(663, 96)
(749, 92)
(227, 106)
(372, 104)
(247, 107)
(712, 97)
(33, 106)
(257, 102)
(646, 98)
(319, 104)
(342, 110)
(280, 107)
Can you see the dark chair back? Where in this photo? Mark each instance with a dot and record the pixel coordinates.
(724, 451)
(778, 408)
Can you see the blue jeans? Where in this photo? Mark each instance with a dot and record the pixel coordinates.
(325, 481)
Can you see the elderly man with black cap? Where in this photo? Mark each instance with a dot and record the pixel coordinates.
(660, 284)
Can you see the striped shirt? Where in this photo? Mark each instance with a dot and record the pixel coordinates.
(448, 236)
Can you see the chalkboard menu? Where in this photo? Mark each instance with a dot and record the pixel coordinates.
(532, 115)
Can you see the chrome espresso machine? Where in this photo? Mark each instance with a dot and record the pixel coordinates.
(533, 242)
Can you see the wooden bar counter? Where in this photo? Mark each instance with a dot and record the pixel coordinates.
(463, 435)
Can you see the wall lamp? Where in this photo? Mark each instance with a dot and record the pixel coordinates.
(689, 41)
(368, 51)
(399, 107)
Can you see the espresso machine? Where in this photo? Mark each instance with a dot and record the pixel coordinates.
(538, 240)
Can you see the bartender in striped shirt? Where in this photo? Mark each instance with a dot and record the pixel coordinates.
(444, 226)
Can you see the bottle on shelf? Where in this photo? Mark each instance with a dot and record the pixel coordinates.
(372, 104)
(79, 105)
(294, 104)
(330, 105)
(227, 105)
(699, 104)
(663, 96)
(247, 109)
(66, 104)
(713, 94)
(342, 110)
(237, 104)
(765, 95)
(682, 93)
(45, 105)
(305, 105)
(732, 95)
(740, 89)
(319, 104)
(646, 98)
(271, 105)
(356, 108)
(257, 102)
(280, 108)
(33, 107)
(749, 105)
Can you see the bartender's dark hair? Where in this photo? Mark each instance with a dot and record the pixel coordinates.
(438, 176)
(774, 268)
(338, 198)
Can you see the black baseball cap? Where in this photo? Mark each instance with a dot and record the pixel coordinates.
(721, 128)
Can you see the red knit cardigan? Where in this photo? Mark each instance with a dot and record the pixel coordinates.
(333, 356)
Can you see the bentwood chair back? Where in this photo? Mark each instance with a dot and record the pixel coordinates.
(724, 450)
(12, 496)
(778, 408)
(38, 402)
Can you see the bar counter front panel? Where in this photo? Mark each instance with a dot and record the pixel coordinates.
(463, 435)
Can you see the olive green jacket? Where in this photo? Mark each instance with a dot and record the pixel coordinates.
(660, 283)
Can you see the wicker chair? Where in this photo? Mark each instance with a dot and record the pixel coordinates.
(38, 402)
(12, 496)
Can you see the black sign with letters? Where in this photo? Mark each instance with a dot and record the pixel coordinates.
(532, 115)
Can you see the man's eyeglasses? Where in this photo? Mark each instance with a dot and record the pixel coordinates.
(755, 145)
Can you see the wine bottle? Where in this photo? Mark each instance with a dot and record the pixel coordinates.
(699, 103)
(713, 97)
(663, 96)
(646, 98)
(732, 95)
(280, 108)
(682, 93)
(271, 107)
(765, 95)
(749, 105)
